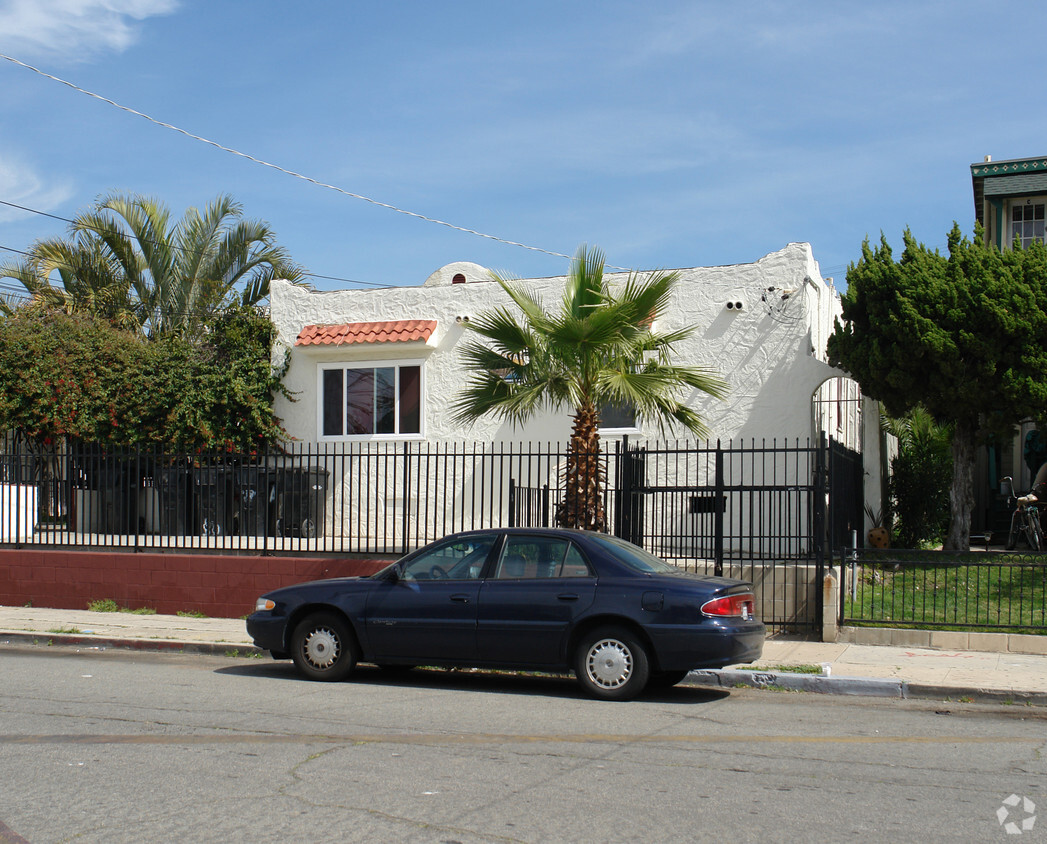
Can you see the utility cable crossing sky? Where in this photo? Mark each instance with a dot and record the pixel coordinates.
(284, 170)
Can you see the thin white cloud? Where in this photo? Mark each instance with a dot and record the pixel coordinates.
(74, 29)
(20, 185)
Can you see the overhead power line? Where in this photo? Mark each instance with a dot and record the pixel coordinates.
(280, 169)
(67, 220)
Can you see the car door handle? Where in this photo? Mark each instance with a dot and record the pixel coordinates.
(460, 598)
(567, 596)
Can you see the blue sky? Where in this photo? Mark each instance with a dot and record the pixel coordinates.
(669, 134)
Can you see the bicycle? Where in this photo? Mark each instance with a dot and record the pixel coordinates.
(1026, 520)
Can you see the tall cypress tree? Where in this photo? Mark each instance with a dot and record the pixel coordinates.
(964, 335)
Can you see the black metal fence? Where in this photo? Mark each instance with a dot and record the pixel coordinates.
(753, 511)
(944, 590)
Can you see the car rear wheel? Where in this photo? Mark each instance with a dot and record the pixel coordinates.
(611, 664)
(323, 647)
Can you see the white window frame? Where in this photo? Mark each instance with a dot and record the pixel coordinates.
(1022, 202)
(395, 364)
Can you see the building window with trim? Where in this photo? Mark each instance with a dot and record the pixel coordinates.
(1027, 222)
(616, 416)
(369, 401)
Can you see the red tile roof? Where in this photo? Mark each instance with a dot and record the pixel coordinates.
(390, 331)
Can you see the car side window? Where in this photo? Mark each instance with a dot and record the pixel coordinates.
(458, 559)
(540, 557)
(574, 564)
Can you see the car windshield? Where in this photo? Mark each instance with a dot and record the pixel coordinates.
(633, 556)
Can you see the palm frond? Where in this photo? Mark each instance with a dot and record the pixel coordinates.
(597, 348)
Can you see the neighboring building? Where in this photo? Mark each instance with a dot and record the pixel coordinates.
(373, 365)
(1010, 198)
(1010, 201)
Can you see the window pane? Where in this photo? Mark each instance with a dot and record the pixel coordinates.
(1016, 213)
(332, 403)
(410, 400)
(456, 560)
(385, 400)
(1037, 212)
(574, 565)
(359, 401)
(617, 416)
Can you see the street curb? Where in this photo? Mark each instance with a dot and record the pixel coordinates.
(867, 686)
(925, 691)
(153, 645)
(728, 678)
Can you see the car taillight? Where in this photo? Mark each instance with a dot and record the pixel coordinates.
(730, 606)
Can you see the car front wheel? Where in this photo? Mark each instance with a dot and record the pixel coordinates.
(611, 664)
(323, 647)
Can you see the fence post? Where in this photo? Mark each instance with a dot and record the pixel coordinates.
(821, 463)
(718, 515)
(854, 566)
(407, 495)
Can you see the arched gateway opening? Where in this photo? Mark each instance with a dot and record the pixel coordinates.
(836, 408)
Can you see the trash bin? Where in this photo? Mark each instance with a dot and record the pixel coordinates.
(213, 493)
(255, 497)
(149, 506)
(301, 501)
(173, 491)
(118, 486)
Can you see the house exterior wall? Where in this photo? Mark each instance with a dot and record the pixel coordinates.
(771, 350)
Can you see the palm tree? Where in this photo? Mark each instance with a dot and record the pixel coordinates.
(599, 349)
(91, 281)
(125, 261)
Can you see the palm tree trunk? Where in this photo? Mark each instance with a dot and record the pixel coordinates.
(582, 504)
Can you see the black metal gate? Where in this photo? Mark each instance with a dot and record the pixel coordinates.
(847, 494)
(755, 512)
(759, 512)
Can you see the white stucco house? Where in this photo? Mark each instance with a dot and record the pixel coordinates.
(383, 364)
(374, 374)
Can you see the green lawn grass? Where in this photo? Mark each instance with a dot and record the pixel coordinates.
(1006, 595)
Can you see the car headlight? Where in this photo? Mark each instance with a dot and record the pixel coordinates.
(263, 604)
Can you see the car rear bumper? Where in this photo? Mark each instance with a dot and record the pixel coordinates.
(687, 647)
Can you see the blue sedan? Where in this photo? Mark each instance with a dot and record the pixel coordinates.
(522, 598)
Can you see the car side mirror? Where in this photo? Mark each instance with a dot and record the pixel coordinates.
(392, 574)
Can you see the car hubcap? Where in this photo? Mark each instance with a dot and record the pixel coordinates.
(609, 663)
(321, 648)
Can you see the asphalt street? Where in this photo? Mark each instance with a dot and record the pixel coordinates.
(114, 745)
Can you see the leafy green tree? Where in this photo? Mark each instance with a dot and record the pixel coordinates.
(126, 262)
(598, 349)
(76, 376)
(964, 335)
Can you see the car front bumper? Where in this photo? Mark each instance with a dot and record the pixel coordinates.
(267, 631)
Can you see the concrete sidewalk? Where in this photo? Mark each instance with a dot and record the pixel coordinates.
(851, 669)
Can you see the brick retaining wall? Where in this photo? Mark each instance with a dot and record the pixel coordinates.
(217, 585)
